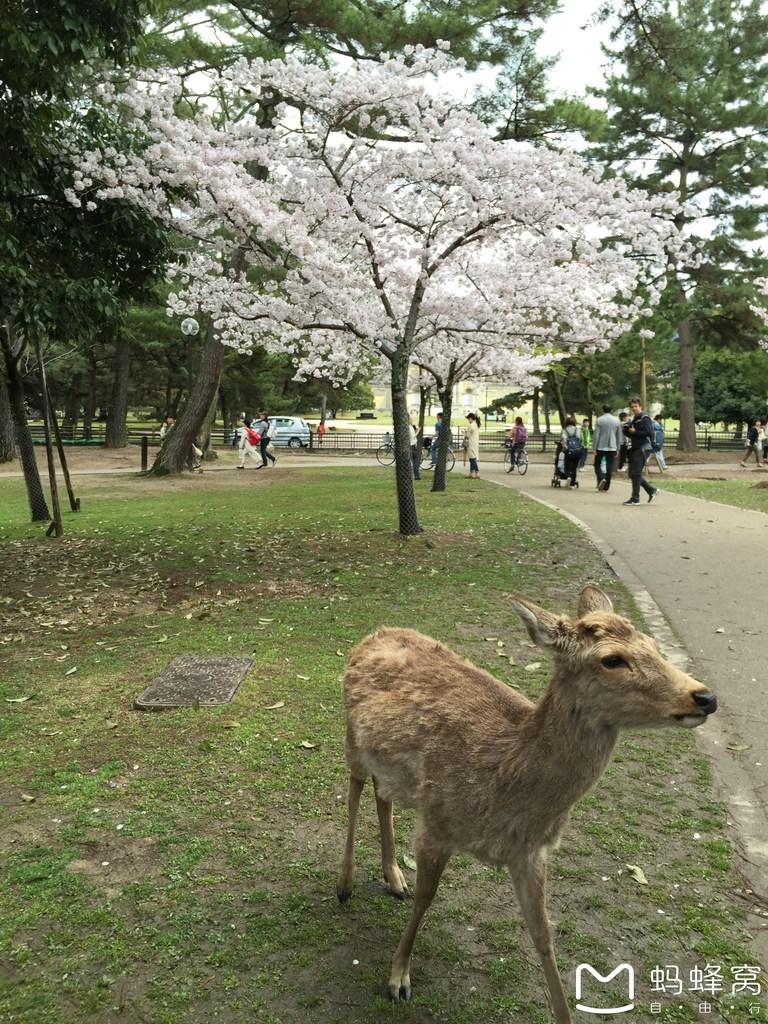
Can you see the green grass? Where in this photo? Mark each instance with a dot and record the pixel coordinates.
(744, 493)
(179, 867)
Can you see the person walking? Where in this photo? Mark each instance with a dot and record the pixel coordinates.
(623, 447)
(657, 445)
(765, 442)
(250, 438)
(639, 431)
(263, 428)
(751, 442)
(320, 433)
(606, 442)
(586, 440)
(472, 443)
(573, 446)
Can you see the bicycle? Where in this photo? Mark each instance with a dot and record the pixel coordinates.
(520, 462)
(385, 454)
(426, 458)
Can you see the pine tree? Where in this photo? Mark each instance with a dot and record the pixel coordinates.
(688, 114)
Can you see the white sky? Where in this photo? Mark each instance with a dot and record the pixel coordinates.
(577, 40)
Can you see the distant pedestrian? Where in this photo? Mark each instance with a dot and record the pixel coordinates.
(639, 431)
(586, 440)
(472, 438)
(320, 433)
(415, 453)
(250, 438)
(435, 441)
(765, 442)
(166, 427)
(517, 439)
(573, 446)
(263, 428)
(752, 444)
(624, 446)
(657, 445)
(606, 442)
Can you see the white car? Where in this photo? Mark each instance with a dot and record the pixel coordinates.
(289, 431)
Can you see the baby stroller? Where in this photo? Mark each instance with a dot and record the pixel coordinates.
(560, 473)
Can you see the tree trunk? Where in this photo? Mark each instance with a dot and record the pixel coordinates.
(174, 454)
(117, 431)
(445, 393)
(71, 408)
(89, 402)
(209, 452)
(557, 394)
(423, 400)
(547, 421)
(323, 407)
(686, 440)
(406, 495)
(7, 432)
(535, 410)
(37, 504)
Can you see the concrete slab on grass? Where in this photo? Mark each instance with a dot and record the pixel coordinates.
(191, 681)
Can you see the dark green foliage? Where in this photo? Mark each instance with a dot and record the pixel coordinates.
(688, 114)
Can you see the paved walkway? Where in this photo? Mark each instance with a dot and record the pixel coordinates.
(703, 563)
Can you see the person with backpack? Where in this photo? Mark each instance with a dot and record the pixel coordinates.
(517, 438)
(657, 445)
(250, 439)
(263, 428)
(639, 432)
(572, 444)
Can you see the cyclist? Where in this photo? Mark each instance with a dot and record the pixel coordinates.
(517, 438)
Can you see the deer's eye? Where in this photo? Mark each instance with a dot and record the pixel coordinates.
(613, 661)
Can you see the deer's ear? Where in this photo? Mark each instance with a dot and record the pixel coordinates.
(592, 599)
(544, 628)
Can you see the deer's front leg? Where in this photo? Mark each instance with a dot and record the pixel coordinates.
(530, 878)
(429, 868)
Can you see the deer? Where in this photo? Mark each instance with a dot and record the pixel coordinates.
(491, 773)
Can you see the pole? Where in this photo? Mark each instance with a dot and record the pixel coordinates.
(56, 524)
(74, 503)
(144, 453)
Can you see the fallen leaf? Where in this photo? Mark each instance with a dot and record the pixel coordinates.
(161, 639)
(18, 700)
(230, 724)
(533, 666)
(71, 670)
(266, 620)
(307, 745)
(303, 678)
(637, 873)
(110, 725)
(27, 798)
(739, 746)
(409, 862)
(274, 707)
(720, 630)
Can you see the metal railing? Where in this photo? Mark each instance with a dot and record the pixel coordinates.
(369, 441)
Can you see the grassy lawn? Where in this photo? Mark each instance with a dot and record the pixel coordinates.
(179, 868)
(749, 492)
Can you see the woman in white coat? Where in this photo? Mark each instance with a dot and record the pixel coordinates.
(472, 444)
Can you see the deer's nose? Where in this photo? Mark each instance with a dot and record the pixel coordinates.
(706, 701)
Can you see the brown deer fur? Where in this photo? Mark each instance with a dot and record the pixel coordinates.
(490, 772)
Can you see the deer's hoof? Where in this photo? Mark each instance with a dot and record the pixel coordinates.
(399, 985)
(344, 893)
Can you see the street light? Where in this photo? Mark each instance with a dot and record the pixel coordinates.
(189, 326)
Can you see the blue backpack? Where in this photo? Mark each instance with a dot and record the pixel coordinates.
(573, 444)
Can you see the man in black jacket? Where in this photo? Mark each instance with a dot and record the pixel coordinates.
(639, 432)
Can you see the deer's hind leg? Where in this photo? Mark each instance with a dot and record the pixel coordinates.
(393, 876)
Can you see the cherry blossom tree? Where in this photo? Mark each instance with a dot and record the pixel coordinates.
(384, 223)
